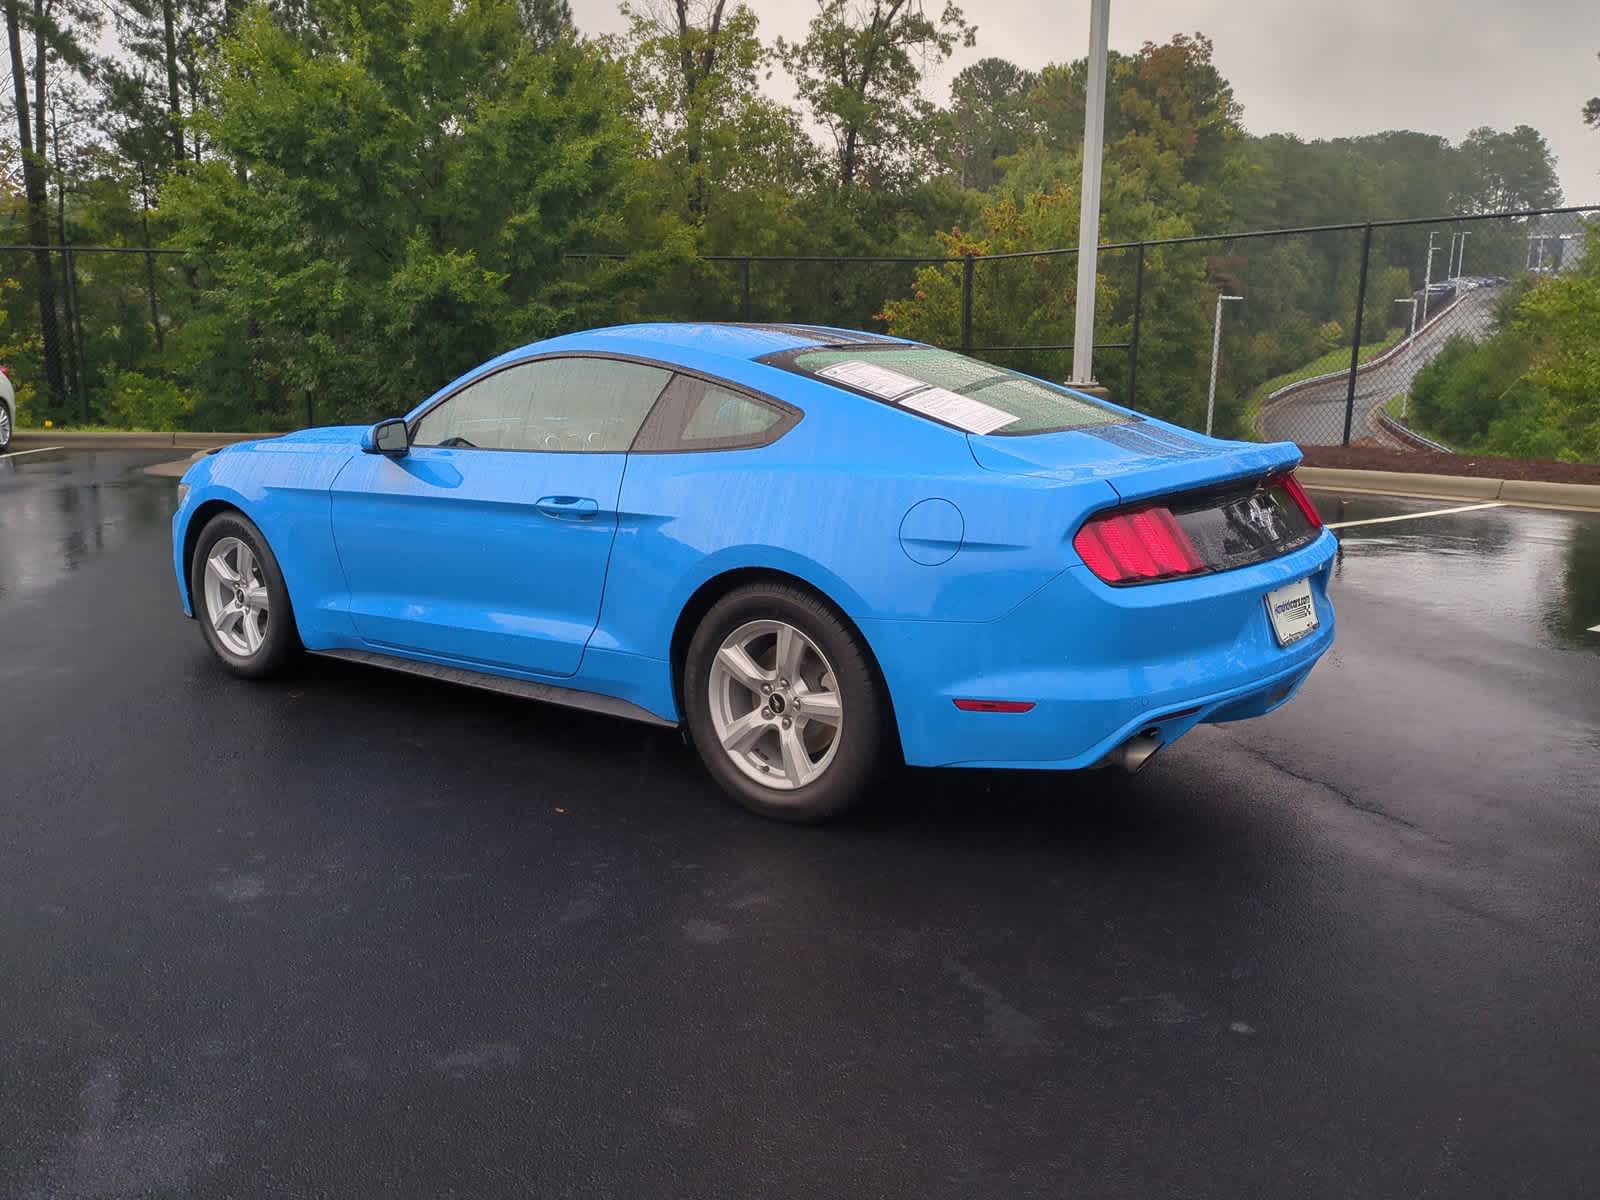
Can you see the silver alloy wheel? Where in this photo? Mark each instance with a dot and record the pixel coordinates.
(5, 426)
(775, 704)
(236, 597)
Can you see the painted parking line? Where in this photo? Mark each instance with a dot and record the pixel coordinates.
(1437, 512)
(1594, 629)
(20, 453)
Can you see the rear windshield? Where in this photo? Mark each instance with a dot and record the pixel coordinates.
(951, 388)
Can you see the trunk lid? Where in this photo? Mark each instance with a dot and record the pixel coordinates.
(1138, 459)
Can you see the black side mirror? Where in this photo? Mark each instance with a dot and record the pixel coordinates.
(388, 437)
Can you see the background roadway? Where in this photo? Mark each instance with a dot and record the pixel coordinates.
(1314, 415)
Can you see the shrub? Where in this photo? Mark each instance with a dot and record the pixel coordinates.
(140, 402)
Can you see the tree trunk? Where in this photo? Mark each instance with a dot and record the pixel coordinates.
(149, 259)
(191, 71)
(174, 103)
(73, 351)
(696, 70)
(33, 186)
(41, 11)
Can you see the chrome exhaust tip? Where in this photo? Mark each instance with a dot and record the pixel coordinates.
(1136, 751)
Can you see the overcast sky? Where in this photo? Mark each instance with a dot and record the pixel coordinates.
(1318, 68)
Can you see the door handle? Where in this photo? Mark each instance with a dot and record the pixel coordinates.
(572, 508)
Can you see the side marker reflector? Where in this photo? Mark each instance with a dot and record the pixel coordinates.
(996, 706)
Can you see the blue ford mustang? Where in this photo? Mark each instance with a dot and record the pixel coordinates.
(821, 550)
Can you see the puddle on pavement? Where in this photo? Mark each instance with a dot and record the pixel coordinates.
(1507, 567)
(59, 510)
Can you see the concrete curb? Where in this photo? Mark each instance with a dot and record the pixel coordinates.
(25, 439)
(173, 470)
(1582, 497)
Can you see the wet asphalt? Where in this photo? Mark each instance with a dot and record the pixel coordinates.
(354, 934)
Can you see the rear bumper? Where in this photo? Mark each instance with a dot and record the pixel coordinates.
(1100, 665)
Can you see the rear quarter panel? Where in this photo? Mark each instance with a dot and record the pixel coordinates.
(826, 504)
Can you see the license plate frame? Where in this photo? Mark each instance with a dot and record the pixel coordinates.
(1292, 611)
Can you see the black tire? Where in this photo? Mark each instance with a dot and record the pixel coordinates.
(864, 737)
(281, 641)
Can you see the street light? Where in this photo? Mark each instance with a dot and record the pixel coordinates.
(1216, 343)
(1427, 277)
(1094, 122)
(1462, 261)
(1411, 355)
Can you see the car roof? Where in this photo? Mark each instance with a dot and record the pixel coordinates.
(746, 340)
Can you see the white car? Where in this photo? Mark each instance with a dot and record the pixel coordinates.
(8, 408)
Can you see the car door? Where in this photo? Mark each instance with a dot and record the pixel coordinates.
(488, 542)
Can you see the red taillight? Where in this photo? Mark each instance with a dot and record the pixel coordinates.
(1000, 706)
(1298, 494)
(5, 372)
(1144, 544)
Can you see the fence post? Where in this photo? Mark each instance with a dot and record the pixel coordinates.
(1355, 342)
(966, 302)
(1133, 340)
(745, 307)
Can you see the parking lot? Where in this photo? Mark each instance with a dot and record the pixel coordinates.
(354, 933)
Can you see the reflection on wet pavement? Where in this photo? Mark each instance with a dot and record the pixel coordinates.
(59, 509)
(1530, 574)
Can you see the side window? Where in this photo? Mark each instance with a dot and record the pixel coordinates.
(696, 414)
(484, 415)
(720, 413)
(553, 404)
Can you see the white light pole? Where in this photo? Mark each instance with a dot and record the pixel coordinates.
(1462, 261)
(1411, 355)
(1450, 263)
(1094, 123)
(1216, 343)
(1427, 278)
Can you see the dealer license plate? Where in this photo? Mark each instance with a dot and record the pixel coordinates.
(1292, 611)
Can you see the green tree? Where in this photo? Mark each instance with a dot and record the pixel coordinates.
(1532, 388)
(52, 30)
(547, 21)
(1591, 110)
(695, 66)
(859, 71)
(1170, 93)
(396, 183)
(1031, 300)
(989, 119)
(1502, 172)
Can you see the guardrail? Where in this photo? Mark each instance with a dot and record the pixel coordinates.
(1394, 428)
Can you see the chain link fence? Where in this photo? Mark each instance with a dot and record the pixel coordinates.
(1310, 335)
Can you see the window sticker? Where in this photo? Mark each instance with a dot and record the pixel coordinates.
(961, 411)
(879, 381)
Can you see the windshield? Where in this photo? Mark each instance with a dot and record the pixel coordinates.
(977, 397)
